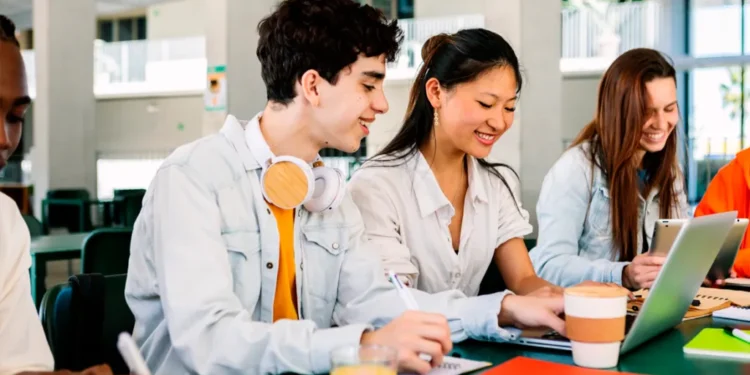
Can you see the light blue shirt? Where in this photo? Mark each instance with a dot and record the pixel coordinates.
(203, 267)
(575, 232)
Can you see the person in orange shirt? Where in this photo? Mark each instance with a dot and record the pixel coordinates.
(730, 191)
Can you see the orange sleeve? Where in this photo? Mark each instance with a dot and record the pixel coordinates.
(724, 194)
(719, 196)
(742, 263)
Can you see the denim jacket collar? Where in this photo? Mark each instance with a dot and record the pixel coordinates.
(234, 130)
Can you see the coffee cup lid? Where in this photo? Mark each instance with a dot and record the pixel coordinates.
(600, 291)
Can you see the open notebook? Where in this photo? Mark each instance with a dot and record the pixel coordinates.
(708, 301)
(457, 366)
(735, 313)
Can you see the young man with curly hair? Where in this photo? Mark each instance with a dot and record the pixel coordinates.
(248, 256)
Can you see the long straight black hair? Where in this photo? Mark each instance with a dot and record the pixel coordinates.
(452, 59)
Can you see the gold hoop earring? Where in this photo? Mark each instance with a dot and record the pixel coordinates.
(436, 121)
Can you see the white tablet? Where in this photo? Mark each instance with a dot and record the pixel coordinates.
(665, 231)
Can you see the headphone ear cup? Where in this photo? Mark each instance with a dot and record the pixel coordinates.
(329, 189)
(288, 182)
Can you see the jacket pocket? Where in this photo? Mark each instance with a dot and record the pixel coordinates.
(243, 243)
(599, 216)
(324, 251)
(333, 239)
(243, 251)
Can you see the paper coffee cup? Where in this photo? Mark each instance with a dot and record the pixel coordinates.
(595, 324)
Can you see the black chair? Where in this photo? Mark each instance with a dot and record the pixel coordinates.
(493, 282)
(67, 208)
(127, 206)
(83, 319)
(106, 251)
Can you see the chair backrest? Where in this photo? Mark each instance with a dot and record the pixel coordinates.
(493, 281)
(82, 320)
(68, 194)
(127, 192)
(66, 215)
(106, 251)
(132, 205)
(127, 206)
(35, 226)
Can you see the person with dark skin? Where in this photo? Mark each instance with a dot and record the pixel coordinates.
(23, 347)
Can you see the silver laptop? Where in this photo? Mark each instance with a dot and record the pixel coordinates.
(692, 254)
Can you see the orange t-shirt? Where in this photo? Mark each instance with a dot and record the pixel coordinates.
(285, 299)
(730, 191)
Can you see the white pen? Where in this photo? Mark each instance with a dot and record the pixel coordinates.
(738, 334)
(409, 300)
(403, 291)
(132, 356)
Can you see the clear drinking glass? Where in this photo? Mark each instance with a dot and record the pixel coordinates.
(364, 360)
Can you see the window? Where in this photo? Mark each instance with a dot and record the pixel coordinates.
(393, 8)
(717, 109)
(715, 27)
(125, 173)
(715, 123)
(106, 31)
(122, 29)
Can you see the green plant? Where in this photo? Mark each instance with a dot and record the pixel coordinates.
(731, 93)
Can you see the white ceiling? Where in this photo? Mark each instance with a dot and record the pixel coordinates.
(20, 10)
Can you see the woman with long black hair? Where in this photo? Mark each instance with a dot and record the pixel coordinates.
(435, 210)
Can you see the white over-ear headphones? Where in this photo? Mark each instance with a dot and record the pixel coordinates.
(289, 182)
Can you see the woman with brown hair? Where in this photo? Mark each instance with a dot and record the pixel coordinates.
(599, 202)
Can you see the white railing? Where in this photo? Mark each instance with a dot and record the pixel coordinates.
(609, 29)
(177, 65)
(416, 32)
(146, 66)
(142, 66)
(595, 34)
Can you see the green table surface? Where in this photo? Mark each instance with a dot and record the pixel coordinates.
(49, 248)
(661, 355)
(57, 243)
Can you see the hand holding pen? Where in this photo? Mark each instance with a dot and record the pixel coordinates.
(414, 333)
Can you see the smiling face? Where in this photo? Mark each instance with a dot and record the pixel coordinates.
(663, 114)
(346, 109)
(14, 99)
(474, 115)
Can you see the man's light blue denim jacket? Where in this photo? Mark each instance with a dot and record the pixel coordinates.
(575, 233)
(203, 268)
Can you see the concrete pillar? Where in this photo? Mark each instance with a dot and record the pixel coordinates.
(231, 41)
(64, 154)
(534, 142)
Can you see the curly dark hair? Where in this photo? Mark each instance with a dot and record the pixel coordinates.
(323, 35)
(8, 30)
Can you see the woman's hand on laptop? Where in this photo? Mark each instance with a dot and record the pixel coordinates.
(532, 311)
(414, 333)
(642, 271)
(719, 282)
